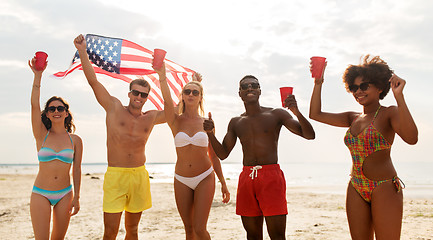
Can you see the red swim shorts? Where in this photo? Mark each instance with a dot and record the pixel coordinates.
(261, 191)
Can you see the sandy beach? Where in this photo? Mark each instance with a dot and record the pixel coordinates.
(312, 215)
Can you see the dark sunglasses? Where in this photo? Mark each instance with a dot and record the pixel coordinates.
(136, 93)
(363, 86)
(245, 86)
(189, 91)
(59, 109)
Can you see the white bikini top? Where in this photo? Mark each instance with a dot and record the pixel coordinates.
(199, 139)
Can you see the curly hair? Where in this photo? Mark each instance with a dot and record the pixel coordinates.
(182, 103)
(69, 123)
(373, 70)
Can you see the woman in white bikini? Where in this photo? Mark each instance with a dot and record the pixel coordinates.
(194, 183)
(58, 151)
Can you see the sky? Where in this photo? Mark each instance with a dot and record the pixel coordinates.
(224, 41)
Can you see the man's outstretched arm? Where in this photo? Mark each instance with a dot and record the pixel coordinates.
(221, 150)
(302, 127)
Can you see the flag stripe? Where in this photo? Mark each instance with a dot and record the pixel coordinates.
(135, 71)
(130, 57)
(134, 51)
(65, 73)
(129, 44)
(174, 88)
(155, 81)
(113, 75)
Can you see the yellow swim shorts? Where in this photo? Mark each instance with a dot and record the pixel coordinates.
(126, 189)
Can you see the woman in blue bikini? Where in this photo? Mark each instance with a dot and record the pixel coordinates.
(58, 151)
(194, 183)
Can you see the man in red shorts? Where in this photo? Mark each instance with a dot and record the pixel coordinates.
(262, 188)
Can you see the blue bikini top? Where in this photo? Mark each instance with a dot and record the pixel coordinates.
(47, 154)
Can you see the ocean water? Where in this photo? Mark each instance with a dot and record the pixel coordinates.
(325, 177)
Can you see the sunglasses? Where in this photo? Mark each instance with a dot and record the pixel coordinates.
(245, 86)
(363, 86)
(136, 93)
(189, 91)
(59, 109)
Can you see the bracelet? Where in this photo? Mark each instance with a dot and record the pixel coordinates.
(36, 86)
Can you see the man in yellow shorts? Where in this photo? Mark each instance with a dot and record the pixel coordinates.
(126, 182)
(126, 189)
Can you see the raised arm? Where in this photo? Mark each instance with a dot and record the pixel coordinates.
(221, 150)
(335, 119)
(102, 96)
(401, 119)
(76, 173)
(169, 109)
(302, 127)
(39, 130)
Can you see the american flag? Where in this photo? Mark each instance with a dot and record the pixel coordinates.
(125, 60)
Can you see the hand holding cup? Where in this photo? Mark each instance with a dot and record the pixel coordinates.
(317, 67)
(158, 58)
(41, 60)
(285, 92)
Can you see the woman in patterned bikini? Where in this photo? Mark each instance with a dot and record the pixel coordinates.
(374, 201)
(58, 151)
(194, 183)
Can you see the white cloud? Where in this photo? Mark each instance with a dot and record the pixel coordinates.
(13, 64)
(12, 120)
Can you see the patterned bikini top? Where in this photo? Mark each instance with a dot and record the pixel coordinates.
(368, 141)
(199, 139)
(47, 154)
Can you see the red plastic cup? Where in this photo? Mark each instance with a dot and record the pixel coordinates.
(284, 92)
(317, 65)
(41, 60)
(158, 57)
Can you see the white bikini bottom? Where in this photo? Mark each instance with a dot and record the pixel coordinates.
(192, 182)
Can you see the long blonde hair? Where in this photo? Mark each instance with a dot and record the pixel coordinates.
(182, 103)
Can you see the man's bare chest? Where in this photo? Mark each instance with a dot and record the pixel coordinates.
(253, 127)
(129, 125)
